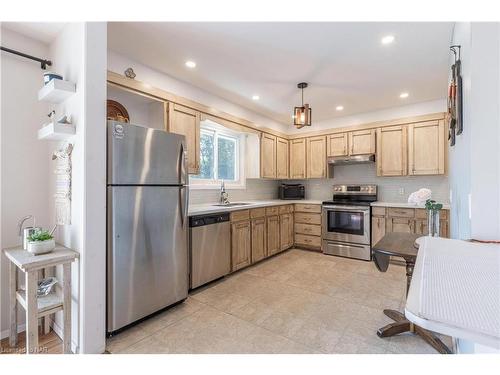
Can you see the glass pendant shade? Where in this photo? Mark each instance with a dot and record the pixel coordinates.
(302, 115)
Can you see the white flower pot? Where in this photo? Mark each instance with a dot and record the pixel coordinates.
(41, 247)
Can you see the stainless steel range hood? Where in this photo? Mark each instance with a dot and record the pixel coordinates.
(356, 159)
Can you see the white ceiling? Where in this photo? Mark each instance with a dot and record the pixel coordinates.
(344, 63)
(45, 32)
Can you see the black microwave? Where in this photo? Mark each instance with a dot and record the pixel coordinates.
(291, 191)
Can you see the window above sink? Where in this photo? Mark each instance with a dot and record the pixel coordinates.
(222, 153)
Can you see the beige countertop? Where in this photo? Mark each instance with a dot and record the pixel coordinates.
(403, 205)
(210, 208)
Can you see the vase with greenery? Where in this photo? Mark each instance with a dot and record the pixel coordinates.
(433, 209)
(41, 242)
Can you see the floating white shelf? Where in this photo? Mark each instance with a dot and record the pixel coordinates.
(56, 132)
(56, 91)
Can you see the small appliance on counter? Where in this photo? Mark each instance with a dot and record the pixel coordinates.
(346, 221)
(291, 191)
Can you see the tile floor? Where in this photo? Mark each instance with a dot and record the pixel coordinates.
(296, 302)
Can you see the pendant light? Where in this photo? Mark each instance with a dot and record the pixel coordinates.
(302, 115)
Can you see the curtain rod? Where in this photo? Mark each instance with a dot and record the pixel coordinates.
(43, 63)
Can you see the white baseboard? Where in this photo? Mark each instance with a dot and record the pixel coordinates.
(6, 333)
(59, 332)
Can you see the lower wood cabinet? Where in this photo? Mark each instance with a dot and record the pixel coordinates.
(273, 235)
(304, 240)
(240, 245)
(286, 231)
(259, 248)
(378, 228)
(307, 226)
(400, 225)
(404, 220)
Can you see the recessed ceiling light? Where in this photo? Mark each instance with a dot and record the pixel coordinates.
(404, 95)
(388, 39)
(190, 64)
(255, 97)
(339, 107)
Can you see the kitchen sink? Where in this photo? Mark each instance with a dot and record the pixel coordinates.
(231, 204)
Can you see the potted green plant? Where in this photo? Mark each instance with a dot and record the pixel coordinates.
(433, 209)
(41, 242)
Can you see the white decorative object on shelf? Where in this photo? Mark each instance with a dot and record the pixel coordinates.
(56, 131)
(63, 184)
(56, 91)
(420, 196)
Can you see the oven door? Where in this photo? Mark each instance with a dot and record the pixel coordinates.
(346, 224)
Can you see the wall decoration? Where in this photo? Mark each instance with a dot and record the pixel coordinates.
(63, 184)
(455, 97)
(129, 73)
(116, 111)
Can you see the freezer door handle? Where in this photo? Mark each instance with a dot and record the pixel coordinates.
(182, 165)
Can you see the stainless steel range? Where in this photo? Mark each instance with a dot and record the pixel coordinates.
(345, 221)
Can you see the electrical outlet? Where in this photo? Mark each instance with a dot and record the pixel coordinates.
(401, 191)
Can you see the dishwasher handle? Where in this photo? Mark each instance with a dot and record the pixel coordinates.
(202, 220)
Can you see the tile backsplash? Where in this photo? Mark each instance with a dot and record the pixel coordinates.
(321, 189)
(388, 187)
(255, 189)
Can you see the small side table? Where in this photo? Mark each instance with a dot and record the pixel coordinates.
(38, 307)
(402, 245)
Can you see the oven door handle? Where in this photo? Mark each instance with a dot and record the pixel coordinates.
(346, 208)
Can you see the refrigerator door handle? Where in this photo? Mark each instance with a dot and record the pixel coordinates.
(183, 203)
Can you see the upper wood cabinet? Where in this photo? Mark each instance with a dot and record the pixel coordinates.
(362, 142)
(426, 148)
(267, 156)
(316, 157)
(337, 144)
(186, 121)
(282, 158)
(378, 229)
(298, 158)
(391, 151)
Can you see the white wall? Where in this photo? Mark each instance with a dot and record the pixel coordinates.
(485, 122)
(417, 109)
(79, 54)
(475, 159)
(119, 63)
(25, 165)
(459, 155)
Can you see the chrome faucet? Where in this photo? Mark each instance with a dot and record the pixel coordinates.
(223, 198)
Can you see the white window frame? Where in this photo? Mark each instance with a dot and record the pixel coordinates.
(217, 130)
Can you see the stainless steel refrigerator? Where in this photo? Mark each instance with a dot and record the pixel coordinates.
(147, 234)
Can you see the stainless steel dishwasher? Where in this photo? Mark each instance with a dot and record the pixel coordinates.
(210, 248)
